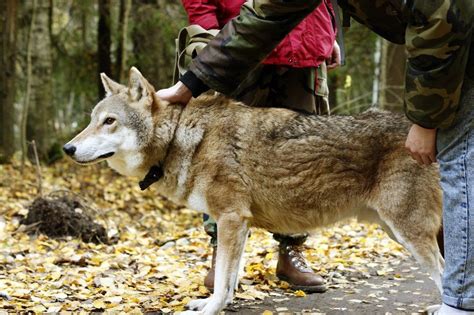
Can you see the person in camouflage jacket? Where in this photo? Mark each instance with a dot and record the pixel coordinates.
(439, 96)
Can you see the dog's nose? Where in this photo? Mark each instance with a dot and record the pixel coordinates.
(69, 149)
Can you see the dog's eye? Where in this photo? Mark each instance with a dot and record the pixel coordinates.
(109, 121)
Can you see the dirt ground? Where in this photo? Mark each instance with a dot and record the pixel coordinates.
(385, 294)
(63, 215)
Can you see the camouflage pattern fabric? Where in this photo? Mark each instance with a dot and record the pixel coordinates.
(210, 227)
(438, 44)
(437, 34)
(381, 16)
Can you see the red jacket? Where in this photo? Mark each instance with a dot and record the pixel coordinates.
(308, 45)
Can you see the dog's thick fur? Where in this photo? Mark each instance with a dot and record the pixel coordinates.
(266, 167)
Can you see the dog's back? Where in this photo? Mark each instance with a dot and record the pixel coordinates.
(299, 171)
(289, 172)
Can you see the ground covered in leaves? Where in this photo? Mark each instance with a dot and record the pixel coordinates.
(157, 255)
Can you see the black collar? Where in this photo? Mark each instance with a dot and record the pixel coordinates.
(156, 171)
(153, 175)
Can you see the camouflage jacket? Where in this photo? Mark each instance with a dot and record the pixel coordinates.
(437, 34)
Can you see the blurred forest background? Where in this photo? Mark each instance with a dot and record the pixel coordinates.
(52, 52)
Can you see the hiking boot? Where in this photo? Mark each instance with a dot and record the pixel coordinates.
(209, 279)
(293, 268)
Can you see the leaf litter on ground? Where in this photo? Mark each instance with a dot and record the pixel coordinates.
(161, 253)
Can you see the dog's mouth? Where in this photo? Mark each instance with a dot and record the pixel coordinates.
(106, 155)
(96, 160)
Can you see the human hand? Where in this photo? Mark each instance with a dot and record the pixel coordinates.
(421, 144)
(335, 60)
(178, 93)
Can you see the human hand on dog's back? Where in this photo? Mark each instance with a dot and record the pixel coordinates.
(178, 93)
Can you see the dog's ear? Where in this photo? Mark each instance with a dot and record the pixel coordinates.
(110, 86)
(139, 88)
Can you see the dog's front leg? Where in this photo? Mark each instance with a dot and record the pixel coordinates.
(232, 230)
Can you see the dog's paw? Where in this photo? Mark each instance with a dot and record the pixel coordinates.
(197, 305)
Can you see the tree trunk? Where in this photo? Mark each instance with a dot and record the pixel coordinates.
(377, 66)
(392, 76)
(27, 98)
(121, 62)
(40, 126)
(103, 43)
(8, 28)
(333, 84)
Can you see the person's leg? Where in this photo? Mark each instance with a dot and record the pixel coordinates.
(255, 89)
(210, 227)
(253, 92)
(456, 159)
(275, 86)
(292, 266)
(321, 89)
(296, 89)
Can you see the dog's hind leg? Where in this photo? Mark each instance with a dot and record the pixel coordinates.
(367, 214)
(416, 230)
(408, 199)
(425, 250)
(241, 269)
(232, 232)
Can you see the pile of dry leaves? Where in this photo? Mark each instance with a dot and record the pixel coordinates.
(159, 253)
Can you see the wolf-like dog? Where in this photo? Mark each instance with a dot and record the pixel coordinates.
(272, 168)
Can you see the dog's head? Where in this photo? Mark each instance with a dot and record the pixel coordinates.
(121, 126)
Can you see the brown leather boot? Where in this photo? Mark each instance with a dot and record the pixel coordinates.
(293, 268)
(209, 280)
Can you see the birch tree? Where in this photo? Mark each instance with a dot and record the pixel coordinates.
(392, 76)
(40, 126)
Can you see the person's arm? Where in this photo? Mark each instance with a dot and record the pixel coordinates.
(335, 60)
(438, 39)
(244, 42)
(203, 13)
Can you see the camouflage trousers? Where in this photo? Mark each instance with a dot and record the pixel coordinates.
(300, 89)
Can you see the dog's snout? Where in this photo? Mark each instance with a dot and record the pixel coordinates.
(69, 149)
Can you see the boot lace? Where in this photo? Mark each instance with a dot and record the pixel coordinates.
(297, 258)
